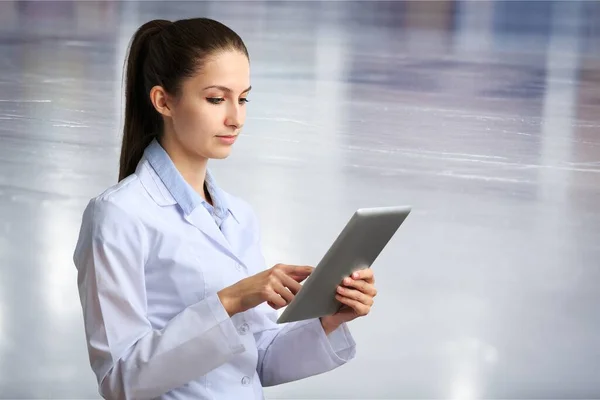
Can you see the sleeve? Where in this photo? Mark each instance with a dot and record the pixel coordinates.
(297, 350)
(130, 359)
(300, 349)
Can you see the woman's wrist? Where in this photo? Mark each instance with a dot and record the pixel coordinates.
(228, 302)
(328, 325)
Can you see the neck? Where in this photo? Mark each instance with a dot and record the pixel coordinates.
(190, 166)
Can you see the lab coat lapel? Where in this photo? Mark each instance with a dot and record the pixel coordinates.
(203, 221)
(235, 235)
(228, 240)
(238, 230)
(231, 231)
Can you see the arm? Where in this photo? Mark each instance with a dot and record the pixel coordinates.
(131, 360)
(300, 349)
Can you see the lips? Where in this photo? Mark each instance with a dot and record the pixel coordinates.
(227, 139)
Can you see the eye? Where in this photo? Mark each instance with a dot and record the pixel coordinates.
(215, 100)
(244, 100)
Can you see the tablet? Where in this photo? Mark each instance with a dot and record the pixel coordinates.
(357, 246)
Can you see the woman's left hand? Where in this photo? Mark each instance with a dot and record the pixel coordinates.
(356, 294)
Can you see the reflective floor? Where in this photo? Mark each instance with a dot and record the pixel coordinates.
(485, 116)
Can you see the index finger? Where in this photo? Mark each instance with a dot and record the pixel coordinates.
(302, 270)
(299, 270)
(364, 274)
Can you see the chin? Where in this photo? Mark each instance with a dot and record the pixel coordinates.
(220, 154)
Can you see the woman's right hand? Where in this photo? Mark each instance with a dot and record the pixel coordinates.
(277, 286)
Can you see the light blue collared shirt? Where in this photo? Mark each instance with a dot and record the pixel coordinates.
(150, 263)
(187, 198)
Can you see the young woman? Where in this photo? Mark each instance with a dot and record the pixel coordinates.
(177, 300)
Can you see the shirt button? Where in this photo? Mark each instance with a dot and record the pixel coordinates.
(245, 381)
(244, 329)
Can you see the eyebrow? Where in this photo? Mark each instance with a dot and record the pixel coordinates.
(225, 89)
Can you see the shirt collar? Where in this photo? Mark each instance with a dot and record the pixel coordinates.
(187, 198)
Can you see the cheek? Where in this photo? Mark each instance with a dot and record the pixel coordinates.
(190, 121)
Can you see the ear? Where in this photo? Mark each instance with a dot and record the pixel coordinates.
(160, 100)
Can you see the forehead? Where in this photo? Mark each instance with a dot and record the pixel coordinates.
(229, 68)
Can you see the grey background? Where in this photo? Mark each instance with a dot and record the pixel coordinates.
(485, 116)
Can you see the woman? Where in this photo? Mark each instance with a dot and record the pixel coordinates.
(176, 297)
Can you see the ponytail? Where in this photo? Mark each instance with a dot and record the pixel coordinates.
(142, 122)
(163, 53)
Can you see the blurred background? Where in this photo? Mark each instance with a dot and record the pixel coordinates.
(483, 115)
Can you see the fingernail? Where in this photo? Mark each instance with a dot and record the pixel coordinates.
(347, 280)
(340, 289)
(355, 275)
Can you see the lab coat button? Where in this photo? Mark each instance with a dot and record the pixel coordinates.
(245, 381)
(244, 329)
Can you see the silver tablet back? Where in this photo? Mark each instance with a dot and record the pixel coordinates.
(357, 247)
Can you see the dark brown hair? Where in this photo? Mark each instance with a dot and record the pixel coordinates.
(164, 53)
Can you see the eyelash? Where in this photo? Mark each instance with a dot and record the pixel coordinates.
(218, 100)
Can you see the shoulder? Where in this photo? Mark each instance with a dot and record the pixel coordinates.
(125, 195)
(117, 208)
(113, 234)
(112, 221)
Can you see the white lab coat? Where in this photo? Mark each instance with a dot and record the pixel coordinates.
(148, 276)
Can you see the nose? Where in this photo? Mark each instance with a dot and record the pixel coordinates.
(235, 117)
